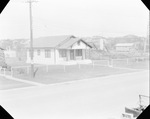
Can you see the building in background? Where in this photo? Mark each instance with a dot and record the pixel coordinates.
(124, 47)
(10, 53)
(2, 58)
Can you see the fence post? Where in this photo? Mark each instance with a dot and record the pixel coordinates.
(27, 70)
(111, 62)
(127, 61)
(79, 65)
(107, 62)
(11, 72)
(93, 63)
(46, 68)
(137, 59)
(0, 69)
(4, 71)
(64, 68)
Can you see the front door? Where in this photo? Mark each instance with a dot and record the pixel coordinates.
(71, 54)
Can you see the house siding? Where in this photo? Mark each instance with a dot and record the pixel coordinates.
(41, 59)
(81, 45)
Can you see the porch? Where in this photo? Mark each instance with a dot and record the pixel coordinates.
(72, 56)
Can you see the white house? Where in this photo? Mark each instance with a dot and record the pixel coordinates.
(59, 50)
(124, 47)
(10, 52)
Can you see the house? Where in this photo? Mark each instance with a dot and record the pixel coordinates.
(10, 53)
(59, 50)
(2, 57)
(124, 47)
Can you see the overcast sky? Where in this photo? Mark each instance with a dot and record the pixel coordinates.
(74, 17)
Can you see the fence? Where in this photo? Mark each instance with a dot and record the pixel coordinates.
(64, 67)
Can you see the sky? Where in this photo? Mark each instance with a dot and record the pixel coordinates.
(82, 18)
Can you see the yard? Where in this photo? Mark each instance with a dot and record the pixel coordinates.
(140, 64)
(64, 73)
(57, 74)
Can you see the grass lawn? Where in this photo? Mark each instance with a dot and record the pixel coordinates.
(56, 74)
(10, 84)
(133, 64)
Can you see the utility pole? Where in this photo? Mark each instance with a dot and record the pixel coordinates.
(149, 30)
(146, 41)
(31, 38)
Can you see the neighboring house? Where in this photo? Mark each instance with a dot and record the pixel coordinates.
(58, 50)
(2, 57)
(10, 53)
(124, 47)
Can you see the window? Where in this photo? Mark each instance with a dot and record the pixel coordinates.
(30, 52)
(62, 53)
(79, 52)
(47, 53)
(38, 52)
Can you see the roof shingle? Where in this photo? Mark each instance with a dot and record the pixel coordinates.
(61, 42)
(50, 41)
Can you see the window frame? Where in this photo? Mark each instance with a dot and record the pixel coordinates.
(79, 52)
(47, 53)
(62, 53)
(38, 52)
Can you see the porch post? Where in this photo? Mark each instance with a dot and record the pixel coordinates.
(83, 54)
(54, 56)
(74, 54)
(68, 55)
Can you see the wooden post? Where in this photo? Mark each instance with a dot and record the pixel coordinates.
(4, 71)
(107, 62)
(0, 69)
(55, 57)
(127, 61)
(11, 72)
(137, 59)
(27, 70)
(64, 68)
(74, 54)
(82, 54)
(79, 65)
(93, 63)
(46, 68)
(111, 62)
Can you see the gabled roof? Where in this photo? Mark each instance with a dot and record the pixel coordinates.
(69, 43)
(60, 42)
(2, 48)
(50, 41)
(92, 45)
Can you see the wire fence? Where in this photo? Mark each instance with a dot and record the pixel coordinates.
(26, 70)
